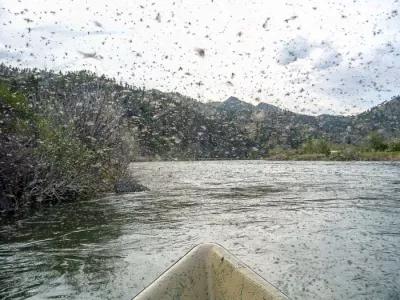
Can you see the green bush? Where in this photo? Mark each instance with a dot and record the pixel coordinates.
(53, 158)
(376, 142)
(394, 145)
(316, 146)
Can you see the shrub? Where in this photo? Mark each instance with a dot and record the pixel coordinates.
(316, 146)
(394, 145)
(53, 149)
(376, 142)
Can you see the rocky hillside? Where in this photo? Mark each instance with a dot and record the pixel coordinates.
(172, 126)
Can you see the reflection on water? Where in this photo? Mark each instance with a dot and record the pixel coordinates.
(316, 230)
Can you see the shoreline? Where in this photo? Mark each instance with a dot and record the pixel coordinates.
(285, 157)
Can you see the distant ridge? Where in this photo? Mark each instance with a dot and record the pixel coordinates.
(266, 106)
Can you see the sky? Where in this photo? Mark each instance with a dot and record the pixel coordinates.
(312, 57)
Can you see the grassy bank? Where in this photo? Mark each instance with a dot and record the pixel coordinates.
(322, 150)
(360, 156)
(377, 156)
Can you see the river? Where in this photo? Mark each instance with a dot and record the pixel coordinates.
(316, 230)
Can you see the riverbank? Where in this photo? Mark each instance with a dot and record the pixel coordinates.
(337, 156)
(292, 155)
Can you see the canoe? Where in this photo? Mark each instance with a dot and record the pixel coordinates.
(209, 271)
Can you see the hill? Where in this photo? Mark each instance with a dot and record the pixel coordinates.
(172, 126)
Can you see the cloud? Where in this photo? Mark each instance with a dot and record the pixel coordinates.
(293, 50)
(4, 54)
(60, 31)
(363, 80)
(325, 57)
(321, 55)
(9, 53)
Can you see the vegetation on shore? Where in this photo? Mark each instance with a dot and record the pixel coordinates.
(375, 148)
(59, 147)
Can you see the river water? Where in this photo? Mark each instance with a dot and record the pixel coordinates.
(316, 230)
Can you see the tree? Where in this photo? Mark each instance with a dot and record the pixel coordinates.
(394, 145)
(376, 142)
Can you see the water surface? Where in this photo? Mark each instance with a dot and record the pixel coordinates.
(316, 230)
